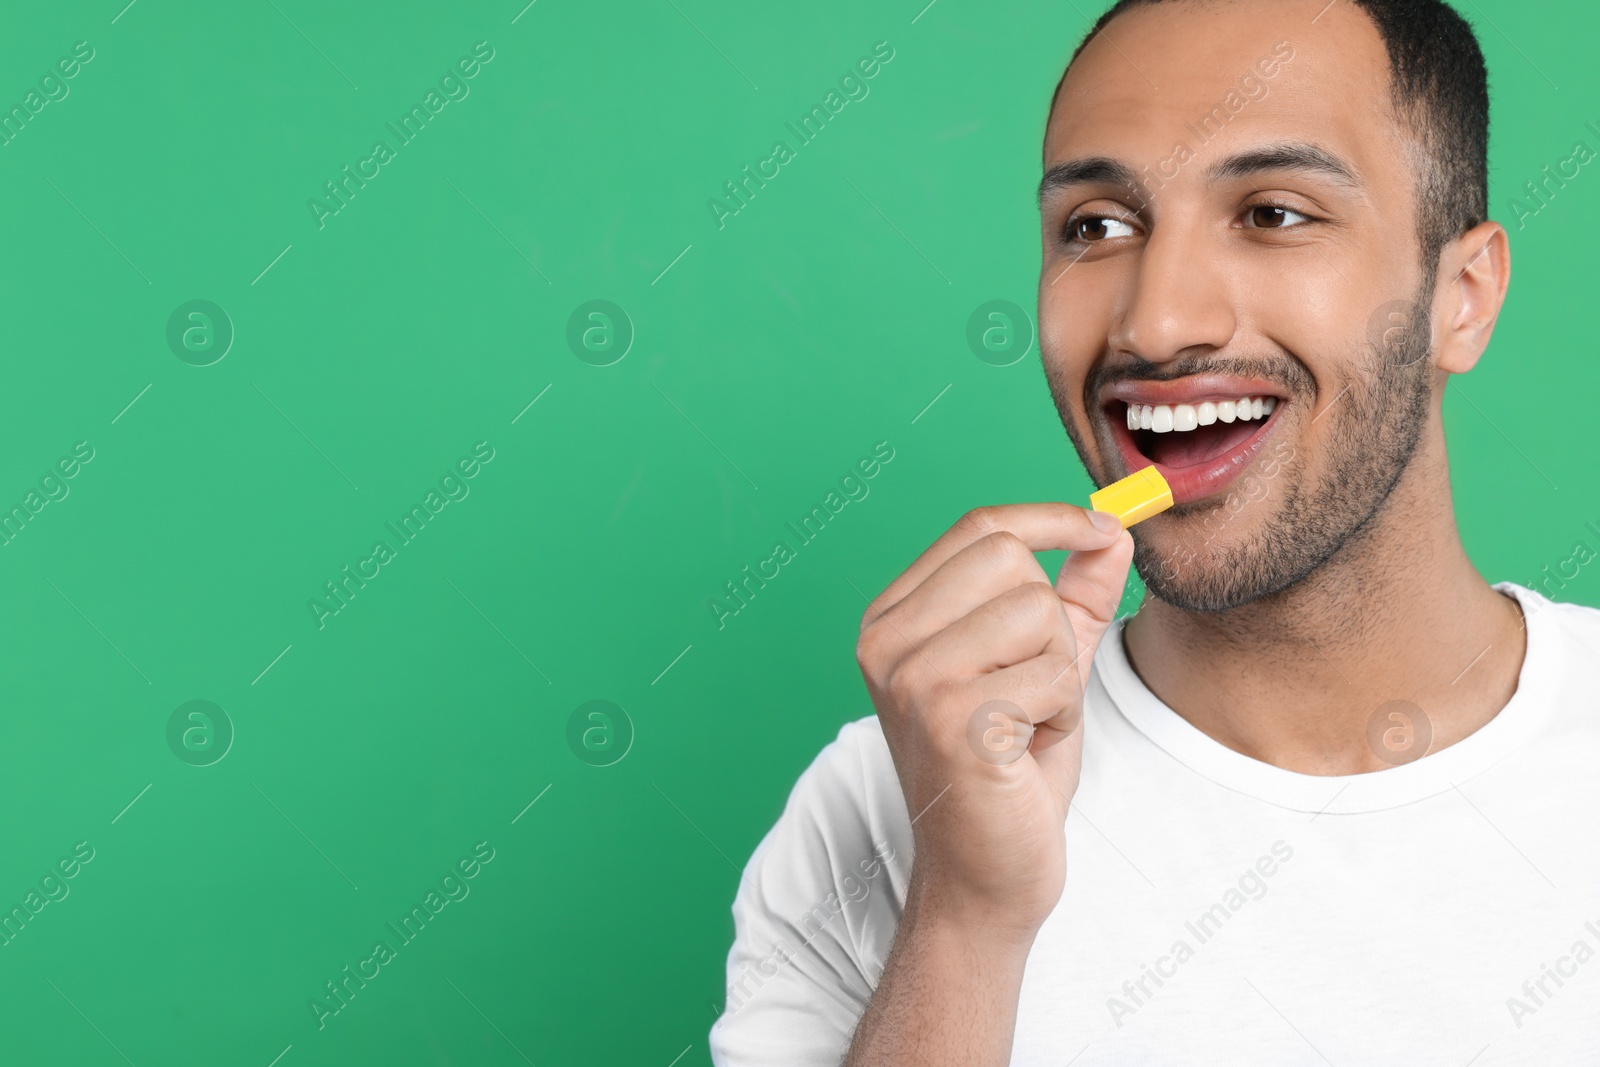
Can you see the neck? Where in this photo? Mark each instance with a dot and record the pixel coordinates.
(1398, 613)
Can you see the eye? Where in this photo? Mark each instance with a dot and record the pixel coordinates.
(1092, 229)
(1273, 217)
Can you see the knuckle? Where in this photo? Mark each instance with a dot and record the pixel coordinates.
(870, 616)
(1040, 601)
(979, 522)
(1007, 550)
(907, 680)
(876, 650)
(867, 651)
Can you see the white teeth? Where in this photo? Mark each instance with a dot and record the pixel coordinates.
(1168, 418)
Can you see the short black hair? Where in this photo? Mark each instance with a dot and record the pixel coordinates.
(1439, 90)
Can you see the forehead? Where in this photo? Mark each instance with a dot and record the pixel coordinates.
(1157, 71)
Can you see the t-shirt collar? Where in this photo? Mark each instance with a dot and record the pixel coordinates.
(1430, 775)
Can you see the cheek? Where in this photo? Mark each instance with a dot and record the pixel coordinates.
(1075, 319)
(1316, 332)
(1327, 304)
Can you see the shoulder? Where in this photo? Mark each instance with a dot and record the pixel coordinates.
(847, 801)
(816, 909)
(1575, 627)
(858, 761)
(1561, 666)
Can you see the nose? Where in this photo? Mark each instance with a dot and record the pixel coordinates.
(1178, 300)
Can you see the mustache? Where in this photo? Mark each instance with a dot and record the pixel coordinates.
(1289, 373)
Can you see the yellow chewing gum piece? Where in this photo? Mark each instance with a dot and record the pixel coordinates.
(1135, 498)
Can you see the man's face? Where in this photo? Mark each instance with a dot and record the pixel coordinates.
(1210, 252)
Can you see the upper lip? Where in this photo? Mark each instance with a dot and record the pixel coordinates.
(1193, 389)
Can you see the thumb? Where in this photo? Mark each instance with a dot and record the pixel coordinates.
(1090, 585)
(1061, 764)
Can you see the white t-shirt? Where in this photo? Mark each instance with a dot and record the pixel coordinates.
(1221, 910)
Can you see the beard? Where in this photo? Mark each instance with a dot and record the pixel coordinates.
(1375, 426)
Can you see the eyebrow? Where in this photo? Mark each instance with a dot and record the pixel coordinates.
(1093, 170)
(1286, 156)
(1290, 155)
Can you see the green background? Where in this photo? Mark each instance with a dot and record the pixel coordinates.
(372, 353)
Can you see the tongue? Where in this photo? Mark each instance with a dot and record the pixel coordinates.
(1199, 445)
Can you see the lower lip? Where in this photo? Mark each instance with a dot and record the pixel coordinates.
(1200, 480)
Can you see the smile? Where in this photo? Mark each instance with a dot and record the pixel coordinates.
(1201, 433)
(1181, 418)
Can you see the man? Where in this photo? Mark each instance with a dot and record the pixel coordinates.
(1327, 797)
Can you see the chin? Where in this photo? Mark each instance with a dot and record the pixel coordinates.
(1210, 581)
(1215, 559)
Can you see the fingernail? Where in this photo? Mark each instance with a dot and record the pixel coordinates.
(1105, 522)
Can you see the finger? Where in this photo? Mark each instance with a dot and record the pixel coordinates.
(980, 572)
(1090, 585)
(1045, 526)
(1029, 706)
(1012, 628)
(1062, 762)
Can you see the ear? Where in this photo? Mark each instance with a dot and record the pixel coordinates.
(1477, 266)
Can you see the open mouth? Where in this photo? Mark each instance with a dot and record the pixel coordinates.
(1199, 446)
